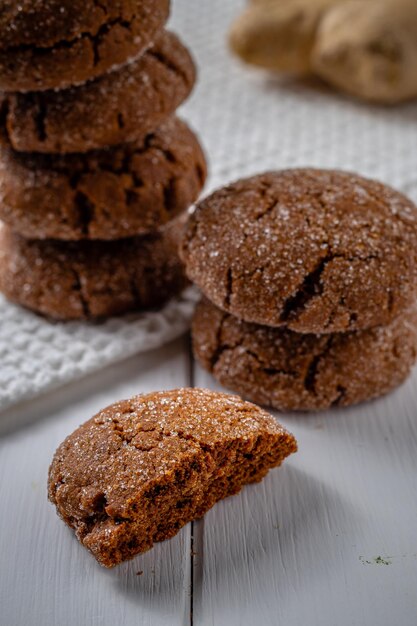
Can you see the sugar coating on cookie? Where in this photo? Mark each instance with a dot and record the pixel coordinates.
(43, 23)
(124, 191)
(91, 279)
(298, 372)
(99, 38)
(141, 469)
(119, 107)
(316, 251)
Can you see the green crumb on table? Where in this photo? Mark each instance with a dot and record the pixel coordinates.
(364, 561)
(377, 560)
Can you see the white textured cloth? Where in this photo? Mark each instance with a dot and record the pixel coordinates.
(37, 355)
(249, 122)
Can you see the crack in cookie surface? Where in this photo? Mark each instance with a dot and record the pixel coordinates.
(68, 62)
(125, 191)
(144, 94)
(290, 371)
(313, 250)
(141, 469)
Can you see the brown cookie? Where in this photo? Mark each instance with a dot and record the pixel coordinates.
(92, 43)
(293, 372)
(87, 280)
(313, 250)
(44, 23)
(119, 107)
(141, 469)
(108, 194)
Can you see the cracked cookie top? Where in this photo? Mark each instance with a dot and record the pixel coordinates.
(51, 44)
(313, 250)
(43, 23)
(68, 280)
(302, 372)
(128, 190)
(132, 445)
(116, 108)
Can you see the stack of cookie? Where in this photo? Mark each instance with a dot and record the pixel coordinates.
(94, 165)
(309, 285)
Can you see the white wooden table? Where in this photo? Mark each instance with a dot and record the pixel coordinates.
(328, 540)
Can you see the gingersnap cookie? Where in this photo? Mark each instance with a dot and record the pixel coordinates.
(141, 469)
(313, 250)
(119, 107)
(54, 45)
(128, 190)
(297, 372)
(88, 280)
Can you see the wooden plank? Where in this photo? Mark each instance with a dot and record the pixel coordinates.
(47, 578)
(327, 540)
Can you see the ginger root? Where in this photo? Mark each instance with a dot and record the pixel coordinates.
(370, 49)
(367, 48)
(278, 34)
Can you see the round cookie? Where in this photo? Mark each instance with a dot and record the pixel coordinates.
(108, 194)
(119, 107)
(88, 280)
(313, 250)
(44, 23)
(92, 43)
(291, 371)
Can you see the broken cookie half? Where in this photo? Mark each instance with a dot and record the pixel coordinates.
(141, 469)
